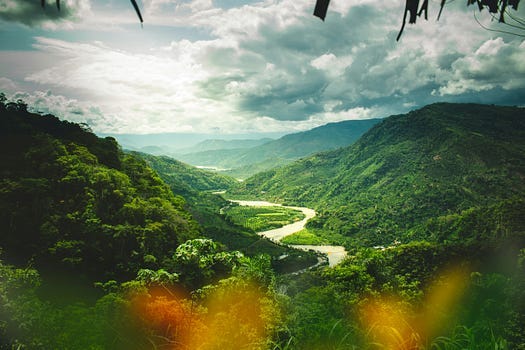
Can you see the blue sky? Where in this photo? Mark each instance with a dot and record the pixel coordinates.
(232, 66)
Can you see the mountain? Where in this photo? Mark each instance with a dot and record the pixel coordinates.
(173, 142)
(71, 202)
(186, 179)
(197, 187)
(219, 144)
(443, 172)
(283, 150)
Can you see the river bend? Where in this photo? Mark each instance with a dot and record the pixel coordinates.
(335, 254)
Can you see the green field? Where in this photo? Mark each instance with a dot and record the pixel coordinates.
(262, 218)
(305, 236)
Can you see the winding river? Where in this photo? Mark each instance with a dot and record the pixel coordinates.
(335, 254)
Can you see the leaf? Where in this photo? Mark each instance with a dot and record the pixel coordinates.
(424, 8)
(134, 3)
(321, 7)
(441, 8)
(410, 6)
(502, 11)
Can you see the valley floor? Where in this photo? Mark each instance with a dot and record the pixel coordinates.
(335, 254)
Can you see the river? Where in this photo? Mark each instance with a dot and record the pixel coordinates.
(335, 254)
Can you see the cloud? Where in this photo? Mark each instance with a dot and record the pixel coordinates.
(495, 64)
(31, 13)
(7, 85)
(272, 66)
(45, 102)
(353, 58)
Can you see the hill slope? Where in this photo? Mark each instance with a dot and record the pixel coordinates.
(446, 171)
(283, 150)
(219, 144)
(70, 201)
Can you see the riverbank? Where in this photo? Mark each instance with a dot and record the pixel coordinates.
(335, 254)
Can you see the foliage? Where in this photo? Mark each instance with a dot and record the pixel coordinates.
(418, 295)
(303, 237)
(74, 209)
(73, 202)
(412, 7)
(444, 172)
(260, 219)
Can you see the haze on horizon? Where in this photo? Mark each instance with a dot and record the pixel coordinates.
(247, 67)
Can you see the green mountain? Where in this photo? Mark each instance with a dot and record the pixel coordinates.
(197, 187)
(73, 202)
(241, 162)
(186, 179)
(219, 144)
(443, 172)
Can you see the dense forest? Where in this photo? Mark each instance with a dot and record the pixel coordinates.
(106, 249)
(446, 172)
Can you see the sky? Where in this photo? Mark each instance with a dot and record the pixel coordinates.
(244, 66)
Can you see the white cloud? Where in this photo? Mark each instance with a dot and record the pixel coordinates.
(333, 65)
(271, 65)
(495, 64)
(157, 91)
(7, 85)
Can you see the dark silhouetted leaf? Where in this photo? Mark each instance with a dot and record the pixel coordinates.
(134, 3)
(410, 6)
(502, 11)
(321, 7)
(443, 2)
(492, 4)
(424, 8)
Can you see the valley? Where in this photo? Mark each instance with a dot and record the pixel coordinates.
(334, 254)
(420, 217)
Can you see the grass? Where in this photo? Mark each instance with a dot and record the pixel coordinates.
(304, 236)
(260, 219)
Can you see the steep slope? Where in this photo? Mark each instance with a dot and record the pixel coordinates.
(186, 179)
(218, 144)
(72, 202)
(283, 150)
(196, 186)
(431, 173)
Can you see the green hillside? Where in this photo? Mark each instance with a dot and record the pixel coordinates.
(444, 172)
(242, 162)
(97, 252)
(197, 187)
(73, 202)
(184, 178)
(218, 144)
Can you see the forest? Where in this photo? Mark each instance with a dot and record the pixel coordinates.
(102, 248)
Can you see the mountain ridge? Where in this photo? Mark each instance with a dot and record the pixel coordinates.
(283, 150)
(441, 160)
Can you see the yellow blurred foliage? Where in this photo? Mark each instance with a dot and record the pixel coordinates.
(392, 323)
(231, 317)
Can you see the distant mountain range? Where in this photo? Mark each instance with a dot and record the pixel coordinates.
(443, 172)
(219, 144)
(244, 161)
(164, 143)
